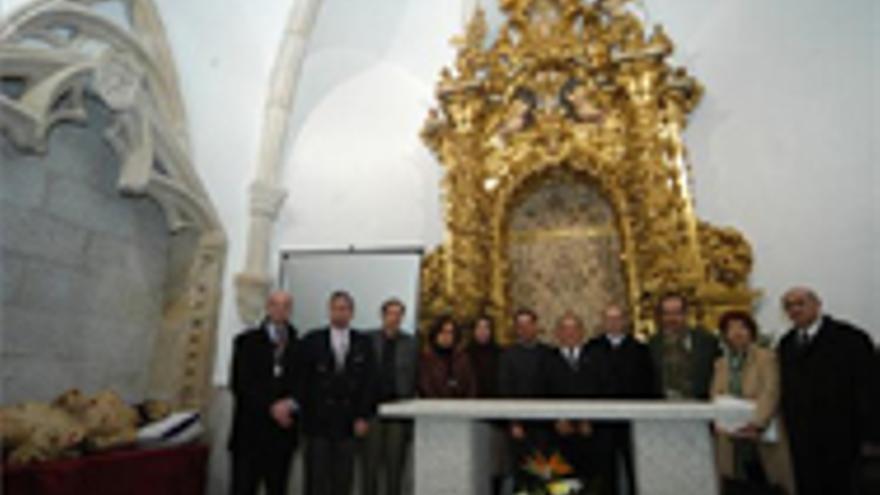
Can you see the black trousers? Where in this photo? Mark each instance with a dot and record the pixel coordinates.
(614, 457)
(329, 465)
(268, 467)
(384, 455)
(578, 451)
(819, 470)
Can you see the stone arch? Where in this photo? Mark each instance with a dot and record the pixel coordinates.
(266, 196)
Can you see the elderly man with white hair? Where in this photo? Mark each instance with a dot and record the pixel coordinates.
(828, 403)
(265, 388)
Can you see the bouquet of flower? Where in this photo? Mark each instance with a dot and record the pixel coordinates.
(549, 475)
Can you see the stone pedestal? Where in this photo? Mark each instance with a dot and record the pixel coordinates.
(672, 440)
(451, 457)
(674, 457)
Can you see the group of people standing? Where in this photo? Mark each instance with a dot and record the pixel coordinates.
(818, 389)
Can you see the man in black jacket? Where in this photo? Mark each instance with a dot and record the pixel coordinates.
(569, 373)
(338, 398)
(520, 377)
(265, 389)
(624, 370)
(827, 387)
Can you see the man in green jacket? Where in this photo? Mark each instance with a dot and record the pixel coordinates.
(684, 356)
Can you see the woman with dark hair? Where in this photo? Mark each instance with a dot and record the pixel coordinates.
(444, 368)
(483, 352)
(750, 372)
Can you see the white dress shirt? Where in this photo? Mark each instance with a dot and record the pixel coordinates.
(339, 342)
(275, 333)
(811, 331)
(615, 339)
(571, 354)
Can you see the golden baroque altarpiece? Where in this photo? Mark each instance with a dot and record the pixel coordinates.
(582, 88)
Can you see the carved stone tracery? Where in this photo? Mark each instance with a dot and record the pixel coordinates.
(55, 53)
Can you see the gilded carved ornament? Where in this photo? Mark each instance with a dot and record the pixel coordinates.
(582, 85)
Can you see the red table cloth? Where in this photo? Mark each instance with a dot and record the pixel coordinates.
(169, 471)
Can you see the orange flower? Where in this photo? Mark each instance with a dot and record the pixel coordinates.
(548, 467)
(559, 466)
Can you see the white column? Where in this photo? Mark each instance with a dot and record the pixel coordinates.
(267, 194)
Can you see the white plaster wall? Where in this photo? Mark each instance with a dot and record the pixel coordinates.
(365, 90)
(367, 84)
(782, 146)
(224, 51)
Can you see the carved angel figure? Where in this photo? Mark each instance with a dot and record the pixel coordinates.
(517, 116)
(576, 99)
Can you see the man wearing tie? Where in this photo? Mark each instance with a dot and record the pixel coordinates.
(828, 403)
(569, 373)
(339, 397)
(265, 388)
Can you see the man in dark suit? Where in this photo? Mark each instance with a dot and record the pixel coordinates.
(338, 398)
(624, 370)
(683, 356)
(387, 442)
(569, 373)
(827, 388)
(265, 389)
(520, 377)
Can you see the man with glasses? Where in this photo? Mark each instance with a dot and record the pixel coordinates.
(829, 405)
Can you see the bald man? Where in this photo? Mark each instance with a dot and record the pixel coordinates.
(828, 405)
(265, 389)
(568, 373)
(625, 371)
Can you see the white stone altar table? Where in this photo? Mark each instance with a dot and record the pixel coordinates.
(672, 445)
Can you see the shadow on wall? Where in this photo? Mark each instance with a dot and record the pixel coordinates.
(355, 34)
(360, 146)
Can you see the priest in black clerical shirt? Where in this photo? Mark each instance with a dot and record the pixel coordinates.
(265, 389)
(623, 370)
